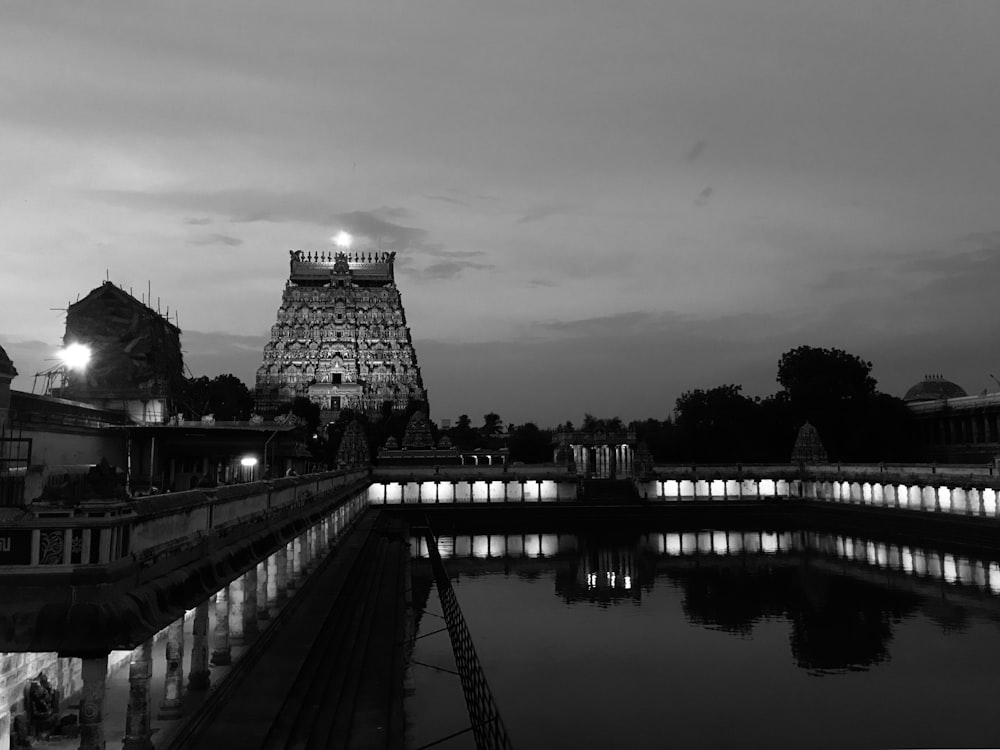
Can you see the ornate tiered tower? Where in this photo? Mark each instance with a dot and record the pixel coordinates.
(341, 338)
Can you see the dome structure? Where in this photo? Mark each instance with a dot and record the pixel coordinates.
(934, 388)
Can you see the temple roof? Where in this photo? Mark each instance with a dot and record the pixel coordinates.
(6, 365)
(317, 267)
(934, 388)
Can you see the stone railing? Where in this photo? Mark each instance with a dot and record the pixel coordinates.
(955, 489)
(471, 484)
(98, 533)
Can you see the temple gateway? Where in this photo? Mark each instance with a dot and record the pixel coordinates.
(340, 338)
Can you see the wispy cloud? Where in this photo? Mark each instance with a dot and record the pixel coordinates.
(447, 269)
(387, 234)
(540, 213)
(216, 239)
(445, 199)
(695, 151)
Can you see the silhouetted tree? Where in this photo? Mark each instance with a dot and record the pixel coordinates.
(463, 435)
(592, 424)
(529, 444)
(836, 392)
(225, 396)
(492, 425)
(720, 424)
(818, 378)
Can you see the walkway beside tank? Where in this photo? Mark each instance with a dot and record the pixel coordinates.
(332, 674)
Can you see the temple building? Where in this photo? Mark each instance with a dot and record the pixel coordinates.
(340, 338)
(134, 355)
(954, 427)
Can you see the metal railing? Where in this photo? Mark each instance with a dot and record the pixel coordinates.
(487, 726)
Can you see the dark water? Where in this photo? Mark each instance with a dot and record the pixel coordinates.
(716, 639)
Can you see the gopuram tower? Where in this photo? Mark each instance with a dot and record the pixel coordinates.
(340, 338)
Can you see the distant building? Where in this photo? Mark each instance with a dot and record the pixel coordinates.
(953, 426)
(340, 338)
(135, 363)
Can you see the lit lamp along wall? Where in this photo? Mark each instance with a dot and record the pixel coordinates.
(248, 467)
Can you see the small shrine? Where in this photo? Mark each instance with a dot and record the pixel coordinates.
(808, 447)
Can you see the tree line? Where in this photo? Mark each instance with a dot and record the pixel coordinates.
(830, 388)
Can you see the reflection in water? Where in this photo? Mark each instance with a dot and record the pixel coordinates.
(709, 630)
(841, 618)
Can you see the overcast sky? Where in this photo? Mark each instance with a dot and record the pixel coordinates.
(596, 205)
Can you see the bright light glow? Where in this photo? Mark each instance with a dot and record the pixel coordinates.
(75, 356)
(343, 240)
(248, 461)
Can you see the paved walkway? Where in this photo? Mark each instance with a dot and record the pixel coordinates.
(332, 674)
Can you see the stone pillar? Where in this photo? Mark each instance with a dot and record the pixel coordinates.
(290, 559)
(302, 562)
(237, 599)
(199, 677)
(263, 591)
(173, 680)
(94, 672)
(221, 654)
(137, 716)
(280, 574)
(250, 604)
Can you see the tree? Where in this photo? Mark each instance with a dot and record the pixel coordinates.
(225, 396)
(492, 425)
(720, 424)
(836, 392)
(529, 444)
(593, 424)
(463, 435)
(821, 378)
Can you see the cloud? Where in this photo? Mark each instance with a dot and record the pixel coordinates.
(703, 196)
(29, 356)
(216, 239)
(695, 151)
(387, 234)
(539, 213)
(239, 206)
(439, 251)
(445, 199)
(197, 221)
(447, 269)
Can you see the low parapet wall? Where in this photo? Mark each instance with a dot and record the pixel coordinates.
(473, 487)
(959, 490)
(103, 533)
(160, 558)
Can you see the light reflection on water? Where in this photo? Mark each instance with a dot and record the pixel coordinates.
(716, 638)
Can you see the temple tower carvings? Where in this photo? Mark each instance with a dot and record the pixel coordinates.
(340, 338)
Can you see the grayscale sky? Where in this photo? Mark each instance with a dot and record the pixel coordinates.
(596, 205)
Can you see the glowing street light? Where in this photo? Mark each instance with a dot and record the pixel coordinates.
(343, 240)
(248, 462)
(75, 357)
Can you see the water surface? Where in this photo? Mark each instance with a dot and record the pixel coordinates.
(707, 638)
